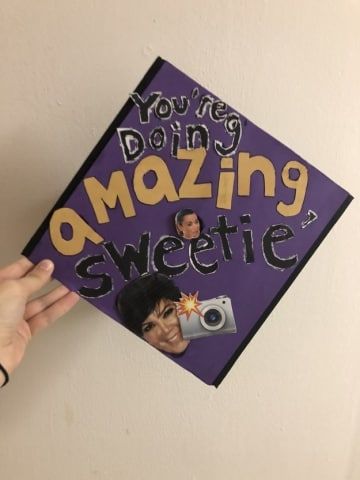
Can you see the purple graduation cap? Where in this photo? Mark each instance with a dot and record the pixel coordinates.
(187, 223)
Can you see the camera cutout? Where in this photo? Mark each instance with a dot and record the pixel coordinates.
(212, 317)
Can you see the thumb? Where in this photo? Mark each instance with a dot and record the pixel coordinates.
(37, 277)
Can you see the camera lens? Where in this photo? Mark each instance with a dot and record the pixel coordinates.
(213, 317)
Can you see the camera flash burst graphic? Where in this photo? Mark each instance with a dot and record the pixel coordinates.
(187, 304)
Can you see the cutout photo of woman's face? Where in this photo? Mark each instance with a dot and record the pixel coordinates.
(161, 328)
(148, 307)
(188, 225)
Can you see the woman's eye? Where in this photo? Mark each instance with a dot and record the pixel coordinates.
(168, 312)
(147, 327)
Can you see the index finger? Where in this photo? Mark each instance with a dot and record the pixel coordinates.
(16, 270)
(37, 277)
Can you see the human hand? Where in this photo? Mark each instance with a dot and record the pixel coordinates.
(21, 318)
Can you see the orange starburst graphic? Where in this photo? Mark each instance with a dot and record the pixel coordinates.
(187, 304)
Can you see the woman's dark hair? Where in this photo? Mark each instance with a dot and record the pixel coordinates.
(179, 217)
(139, 297)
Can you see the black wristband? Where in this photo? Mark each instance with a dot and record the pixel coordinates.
(6, 375)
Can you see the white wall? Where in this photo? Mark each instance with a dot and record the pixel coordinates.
(89, 401)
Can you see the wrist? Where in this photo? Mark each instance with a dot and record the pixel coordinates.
(4, 376)
(8, 359)
(5, 367)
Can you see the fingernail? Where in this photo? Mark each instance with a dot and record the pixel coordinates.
(46, 265)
